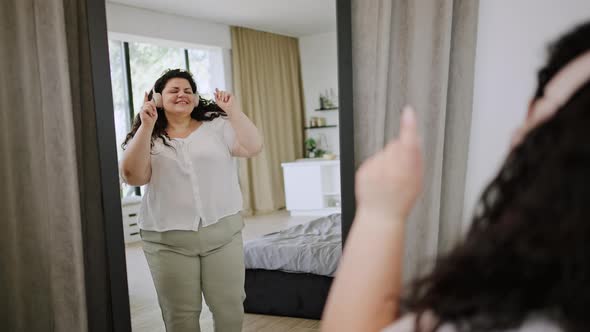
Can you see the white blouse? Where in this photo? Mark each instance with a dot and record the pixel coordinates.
(197, 180)
(407, 323)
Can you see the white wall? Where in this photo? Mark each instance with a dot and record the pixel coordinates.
(153, 25)
(319, 70)
(511, 43)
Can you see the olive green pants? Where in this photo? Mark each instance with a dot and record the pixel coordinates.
(185, 263)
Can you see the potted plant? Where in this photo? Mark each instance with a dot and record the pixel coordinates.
(312, 149)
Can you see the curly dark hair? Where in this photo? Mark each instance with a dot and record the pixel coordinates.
(206, 110)
(528, 248)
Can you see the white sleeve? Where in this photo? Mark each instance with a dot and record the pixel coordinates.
(404, 324)
(407, 323)
(229, 135)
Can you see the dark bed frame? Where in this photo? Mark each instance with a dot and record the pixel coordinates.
(281, 293)
(106, 288)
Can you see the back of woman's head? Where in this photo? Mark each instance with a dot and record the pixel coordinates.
(528, 249)
(205, 110)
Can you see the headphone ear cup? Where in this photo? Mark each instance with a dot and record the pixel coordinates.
(157, 98)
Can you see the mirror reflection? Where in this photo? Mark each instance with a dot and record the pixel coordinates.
(226, 118)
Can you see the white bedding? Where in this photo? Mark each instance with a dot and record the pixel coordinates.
(314, 247)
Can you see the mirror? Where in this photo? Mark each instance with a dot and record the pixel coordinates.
(279, 62)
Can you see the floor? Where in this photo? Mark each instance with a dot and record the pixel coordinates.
(145, 313)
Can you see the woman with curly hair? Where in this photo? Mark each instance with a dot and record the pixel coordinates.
(524, 265)
(182, 147)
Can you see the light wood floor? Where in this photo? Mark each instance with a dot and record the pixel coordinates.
(145, 313)
(261, 323)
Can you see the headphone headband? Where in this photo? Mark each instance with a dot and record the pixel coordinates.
(564, 85)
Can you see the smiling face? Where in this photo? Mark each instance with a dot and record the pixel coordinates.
(178, 96)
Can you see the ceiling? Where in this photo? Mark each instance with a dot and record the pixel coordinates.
(295, 18)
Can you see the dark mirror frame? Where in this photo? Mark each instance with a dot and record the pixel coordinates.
(346, 116)
(106, 288)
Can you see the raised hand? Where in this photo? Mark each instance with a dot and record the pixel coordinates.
(224, 100)
(389, 182)
(148, 113)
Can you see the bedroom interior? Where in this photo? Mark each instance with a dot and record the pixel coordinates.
(66, 243)
(284, 71)
(427, 66)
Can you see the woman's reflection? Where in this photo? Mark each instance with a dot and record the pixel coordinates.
(182, 147)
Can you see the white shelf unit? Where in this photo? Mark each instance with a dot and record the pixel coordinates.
(130, 208)
(312, 187)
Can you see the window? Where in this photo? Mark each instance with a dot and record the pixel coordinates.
(206, 65)
(120, 95)
(147, 63)
(136, 66)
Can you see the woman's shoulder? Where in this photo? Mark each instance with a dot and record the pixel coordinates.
(216, 122)
(219, 119)
(534, 323)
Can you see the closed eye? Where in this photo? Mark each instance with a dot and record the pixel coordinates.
(187, 91)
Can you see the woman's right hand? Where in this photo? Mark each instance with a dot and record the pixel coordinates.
(388, 183)
(148, 113)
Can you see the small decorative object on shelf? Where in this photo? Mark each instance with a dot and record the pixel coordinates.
(312, 149)
(317, 122)
(333, 96)
(313, 123)
(328, 101)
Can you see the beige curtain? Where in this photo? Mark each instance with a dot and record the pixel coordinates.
(267, 81)
(418, 52)
(50, 193)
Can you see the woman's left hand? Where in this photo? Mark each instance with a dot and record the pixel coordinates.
(224, 100)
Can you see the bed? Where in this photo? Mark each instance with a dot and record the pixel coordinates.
(289, 273)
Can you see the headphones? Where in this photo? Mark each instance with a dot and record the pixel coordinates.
(558, 91)
(563, 86)
(157, 98)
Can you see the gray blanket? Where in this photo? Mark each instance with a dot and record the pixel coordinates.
(314, 247)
